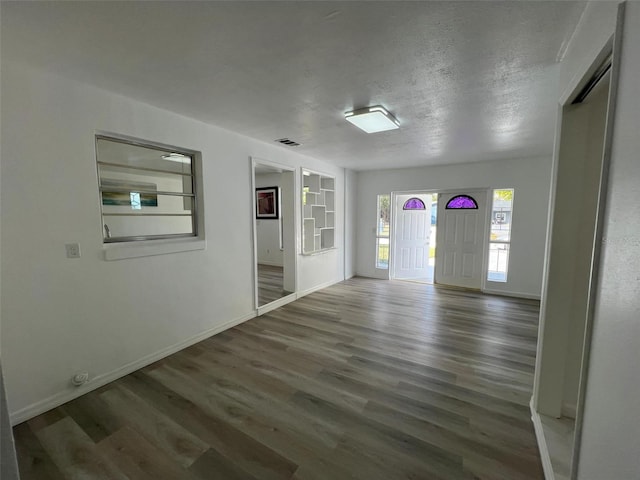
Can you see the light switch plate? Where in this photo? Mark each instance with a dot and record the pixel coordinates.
(73, 250)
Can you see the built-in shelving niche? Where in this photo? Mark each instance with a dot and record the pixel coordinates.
(318, 212)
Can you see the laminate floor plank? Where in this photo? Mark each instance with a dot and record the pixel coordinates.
(176, 442)
(74, 452)
(465, 442)
(33, 460)
(93, 415)
(213, 466)
(230, 392)
(367, 379)
(276, 370)
(290, 437)
(137, 458)
(254, 457)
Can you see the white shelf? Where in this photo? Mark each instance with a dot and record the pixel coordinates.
(327, 240)
(308, 240)
(318, 212)
(329, 200)
(330, 219)
(306, 211)
(327, 183)
(313, 182)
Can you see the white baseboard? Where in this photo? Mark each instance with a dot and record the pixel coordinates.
(277, 303)
(316, 288)
(542, 444)
(58, 399)
(512, 294)
(568, 410)
(375, 275)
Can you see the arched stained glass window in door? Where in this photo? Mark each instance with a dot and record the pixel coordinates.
(414, 204)
(462, 202)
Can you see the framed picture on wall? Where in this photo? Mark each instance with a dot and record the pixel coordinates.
(267, 203)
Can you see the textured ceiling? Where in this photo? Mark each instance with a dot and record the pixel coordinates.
(469, 81)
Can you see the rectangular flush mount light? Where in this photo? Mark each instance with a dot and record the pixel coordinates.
(372, 119)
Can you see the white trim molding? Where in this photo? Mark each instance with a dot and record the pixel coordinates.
(277, 303)
(316, 288)
(547, 467)
(511, 294)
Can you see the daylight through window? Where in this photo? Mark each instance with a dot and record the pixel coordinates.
(500, 238)
(382, 231)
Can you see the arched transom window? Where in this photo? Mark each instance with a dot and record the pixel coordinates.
(414, 204)
(462, 202)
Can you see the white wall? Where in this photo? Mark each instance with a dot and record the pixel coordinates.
(8, 461)
(612, 419)
(268, 231)
(61, 316)
(350, 222)
(529, 177)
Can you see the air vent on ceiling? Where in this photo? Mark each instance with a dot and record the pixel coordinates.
(289, 143)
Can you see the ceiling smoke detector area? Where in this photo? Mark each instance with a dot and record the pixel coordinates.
(287, 142)
(372, 119)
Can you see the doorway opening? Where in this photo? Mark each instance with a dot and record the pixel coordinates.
(572, 260)
(414, 238)
(274, 234)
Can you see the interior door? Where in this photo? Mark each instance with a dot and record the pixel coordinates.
(411, 246)
(460, 240)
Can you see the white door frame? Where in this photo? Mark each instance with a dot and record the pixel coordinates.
(262, 309)
(485, 252)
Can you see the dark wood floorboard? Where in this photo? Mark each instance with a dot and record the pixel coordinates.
(367, 379)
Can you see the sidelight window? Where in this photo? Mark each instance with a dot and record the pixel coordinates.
(500, 238)
(382, 231)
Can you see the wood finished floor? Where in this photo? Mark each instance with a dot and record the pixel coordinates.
(367, 379)
(270, 284)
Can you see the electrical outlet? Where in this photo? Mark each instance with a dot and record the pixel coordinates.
(73, 250)
(80, 379)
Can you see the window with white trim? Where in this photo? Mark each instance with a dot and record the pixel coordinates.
(382, 231)
(147, 191)
(500, 237)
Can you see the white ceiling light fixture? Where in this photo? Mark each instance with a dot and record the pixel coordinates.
(372, 119)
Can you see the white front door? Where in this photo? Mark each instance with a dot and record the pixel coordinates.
(461, 241)
(411, 239)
